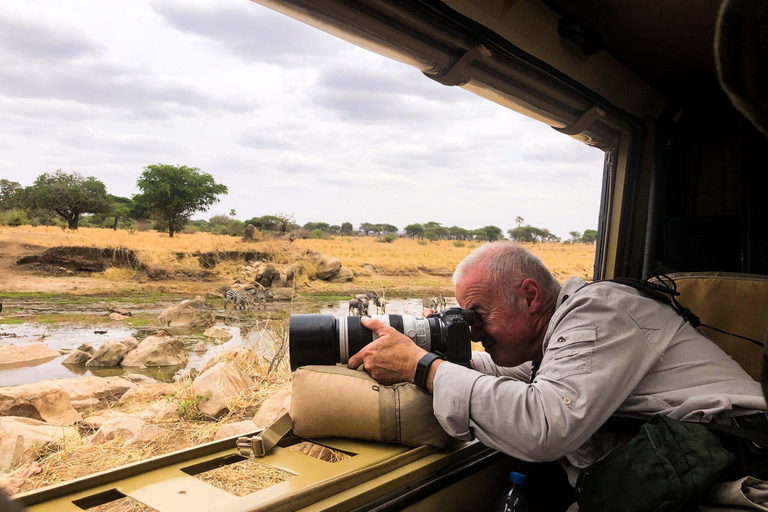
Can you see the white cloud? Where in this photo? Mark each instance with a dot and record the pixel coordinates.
(290, 118)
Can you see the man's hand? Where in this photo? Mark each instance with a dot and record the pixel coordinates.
(391, 358)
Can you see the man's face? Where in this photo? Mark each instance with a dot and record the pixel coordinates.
(506, 333)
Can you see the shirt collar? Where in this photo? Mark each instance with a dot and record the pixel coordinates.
(569, 288)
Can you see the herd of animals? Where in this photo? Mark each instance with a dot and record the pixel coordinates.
(361, 305)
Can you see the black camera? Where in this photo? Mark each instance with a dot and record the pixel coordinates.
(325, 339)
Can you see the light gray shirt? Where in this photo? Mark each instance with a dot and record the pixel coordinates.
(608, 349)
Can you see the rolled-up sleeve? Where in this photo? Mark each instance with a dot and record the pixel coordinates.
(595, 357)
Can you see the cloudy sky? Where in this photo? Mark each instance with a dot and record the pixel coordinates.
(291, 119)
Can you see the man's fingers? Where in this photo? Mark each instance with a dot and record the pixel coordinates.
(356, 360)
(375, 325)
(427, 312)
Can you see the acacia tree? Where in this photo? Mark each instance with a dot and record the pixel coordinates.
(69, 195)
(175, 192)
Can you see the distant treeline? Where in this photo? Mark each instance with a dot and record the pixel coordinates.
(170, 194)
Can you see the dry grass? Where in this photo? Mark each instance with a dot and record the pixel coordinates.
(244, 477)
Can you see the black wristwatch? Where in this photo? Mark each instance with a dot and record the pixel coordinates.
(422, 370)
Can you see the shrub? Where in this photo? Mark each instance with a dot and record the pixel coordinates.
(190, 229)
(14, 217)
(458, 243)
(422, 242)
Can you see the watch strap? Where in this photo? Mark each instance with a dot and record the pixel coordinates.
(422, 370)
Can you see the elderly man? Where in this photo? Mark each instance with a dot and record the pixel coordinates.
(599, 349)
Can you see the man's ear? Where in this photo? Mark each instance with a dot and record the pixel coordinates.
(531, 292)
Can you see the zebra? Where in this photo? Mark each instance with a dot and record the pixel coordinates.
(238, 300)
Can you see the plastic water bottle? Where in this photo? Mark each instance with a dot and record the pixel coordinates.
(515, 500)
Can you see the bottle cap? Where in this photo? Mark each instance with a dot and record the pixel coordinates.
(517, 478)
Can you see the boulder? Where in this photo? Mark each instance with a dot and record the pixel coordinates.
(266, 278)
(184, 374)
(159, 410)
(157, 351)
(39, 401)
(345, 275)
(218, 385)
(34, 353)
(130, 342)
(129, 429)
(119, 310)
(218, 333)
(280, 280)
(115, 317)
(282, 293)
(110, 353)
(83, 390)
(186, 316)
(13, 482)
(314, 450)
(77, 357)
(329, 267)
(147, 393)
(20, 436)
(273, 407)
(96, 421)
(138, 378)
(229, 355)
(201, 347)
(250, 233)
(292, 270)
(234, 429)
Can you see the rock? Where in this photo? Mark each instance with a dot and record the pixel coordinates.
(280, 280)
(159, 410)
(39, 401)
(229, 355)
(13, 482)
(329, 267)
(83, 389)
(186, 373)
(214, 295)
(266, 278)
(314, 450)
(201, 347)
(292, 270)
(234, 429)
(282, 293)
(115, 317)
(317, 257)
(250, 233)
(87, 404)
(157, 351)
(147, 393)
(219, 384)
(110, 353)
(77, 357)
(138, 378)
(218, 333)
(273, 407)
(86, 347)
(96, 421)
(130, 342)
(15, 354)
(345, 275)
(64, 351)
(119, 310)
(186, 316)
(129, 429)
(19, 436)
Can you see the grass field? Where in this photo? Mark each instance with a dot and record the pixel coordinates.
(363, 255)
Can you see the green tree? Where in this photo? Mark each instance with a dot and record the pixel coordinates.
(365, 227)
(575, 236)
(69, 195)
(519, 221)
(388, 228)
(492, 233)
(119, 209)
(8, 191)
(414, 230)
(175, 192)
(589, 236)
(285, 223)
(347, 228)
(265, 223)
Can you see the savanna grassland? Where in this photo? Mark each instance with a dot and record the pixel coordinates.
(404, 268)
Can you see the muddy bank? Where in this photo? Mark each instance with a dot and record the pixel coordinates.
(84, 259)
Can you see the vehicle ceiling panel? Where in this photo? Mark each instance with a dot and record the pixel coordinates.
(663, 41)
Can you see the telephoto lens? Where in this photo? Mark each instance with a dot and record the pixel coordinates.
(328, 340)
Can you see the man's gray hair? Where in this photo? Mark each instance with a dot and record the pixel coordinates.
(508, 265)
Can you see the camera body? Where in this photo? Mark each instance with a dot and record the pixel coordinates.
(325, 339)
